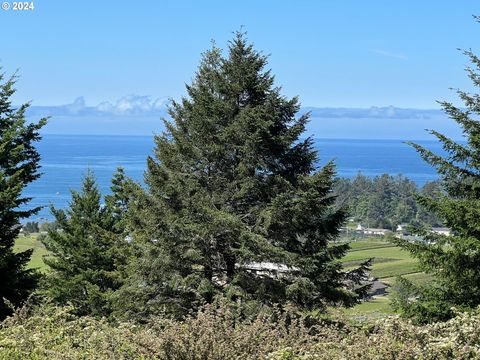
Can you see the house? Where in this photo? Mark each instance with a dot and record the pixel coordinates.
(269, 267)
(378, 232)
(442, 231)
(371, 231)
(410, 238)
(378, 288)
(402, 228)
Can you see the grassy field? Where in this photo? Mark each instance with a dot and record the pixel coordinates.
(389, 261)
(372, 243)
(418, 278)
(31, 242)
(376, 308)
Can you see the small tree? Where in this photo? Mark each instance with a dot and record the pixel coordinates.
(118, 200)
(19, 165)
(235, 204)
(452, 260)
(85, 253)
(31, 227)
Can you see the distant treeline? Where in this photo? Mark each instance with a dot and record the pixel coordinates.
(386, 201)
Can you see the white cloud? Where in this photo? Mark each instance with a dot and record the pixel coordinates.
(132, 104)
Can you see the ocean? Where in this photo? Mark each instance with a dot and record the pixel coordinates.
(66, 159)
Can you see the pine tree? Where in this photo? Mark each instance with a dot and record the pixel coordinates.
(19, 165)
(85, 253)
(452, 260)
(119, 199)
(235, 204)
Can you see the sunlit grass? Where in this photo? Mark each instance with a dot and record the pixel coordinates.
(31, 242)
(389, 262)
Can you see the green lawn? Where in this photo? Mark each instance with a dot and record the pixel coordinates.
(377, 307)
(418, 278)
(31, 242)
(372, 243)
(389, 261)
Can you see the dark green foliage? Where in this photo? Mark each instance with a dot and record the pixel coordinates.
(422, 303)
(454, 260)
(86, 250)
(386, 201)
(19, 164)
(234, 204)
(118, 200)
(31, 227)
(424, 216)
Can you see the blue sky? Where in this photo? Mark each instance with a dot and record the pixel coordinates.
(330, 53)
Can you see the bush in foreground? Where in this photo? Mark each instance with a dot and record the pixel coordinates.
(216, 333)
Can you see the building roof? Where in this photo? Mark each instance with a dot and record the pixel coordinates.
(441, 229)
(378, 285)
(269, 266)
(377, 230)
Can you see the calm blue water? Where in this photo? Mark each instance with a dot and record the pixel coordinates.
(65, 159)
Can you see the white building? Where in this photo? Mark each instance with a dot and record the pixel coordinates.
(442, 231)
(371, 231)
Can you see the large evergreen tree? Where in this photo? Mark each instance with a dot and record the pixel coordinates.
(19, 165)
(453, 260)
(86, 249)
(235, 204)
(118, 200)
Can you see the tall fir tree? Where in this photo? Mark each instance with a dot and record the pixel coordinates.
(452, 260)
(235, 204)
(118, 200)
(86, 249)
(19, 166)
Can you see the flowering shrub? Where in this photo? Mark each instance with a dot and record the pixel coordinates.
(217, 333)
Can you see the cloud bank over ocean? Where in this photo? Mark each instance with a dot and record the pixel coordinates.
(125, 106)
(142, 115)
(146, 105)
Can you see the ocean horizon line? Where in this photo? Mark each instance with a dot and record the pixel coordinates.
(433, 140)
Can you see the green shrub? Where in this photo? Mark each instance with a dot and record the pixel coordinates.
(217, 333)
